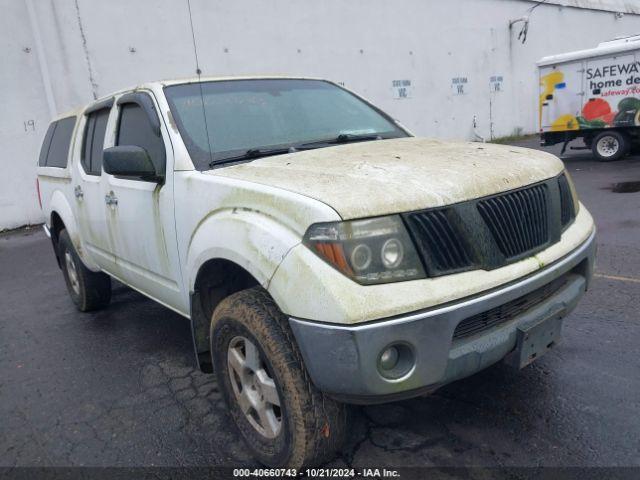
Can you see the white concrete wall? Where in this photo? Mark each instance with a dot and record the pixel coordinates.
(88, 48)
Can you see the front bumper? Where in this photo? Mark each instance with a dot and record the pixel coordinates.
(343, 360)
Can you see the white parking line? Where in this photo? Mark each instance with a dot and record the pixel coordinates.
(616, 277)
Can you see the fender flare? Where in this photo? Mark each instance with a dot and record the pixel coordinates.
(254, 242)
(60, 205)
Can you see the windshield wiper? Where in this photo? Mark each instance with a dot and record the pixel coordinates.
(252, 154)
(341, 138)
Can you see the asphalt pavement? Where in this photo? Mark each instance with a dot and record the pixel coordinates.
(119, 388)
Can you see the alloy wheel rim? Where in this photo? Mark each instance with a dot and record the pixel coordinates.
(608, 146)
(254, 388)
(72, 272)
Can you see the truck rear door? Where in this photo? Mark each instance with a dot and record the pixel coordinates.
(561, 96)
(88, 185)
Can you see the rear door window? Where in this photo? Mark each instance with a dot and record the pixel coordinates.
(93, 143)
(58, 150)
(135, 129)
(46, 143)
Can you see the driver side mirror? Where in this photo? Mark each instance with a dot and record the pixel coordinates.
(130, 161)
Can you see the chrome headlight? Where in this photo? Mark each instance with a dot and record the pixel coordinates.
(375, 250)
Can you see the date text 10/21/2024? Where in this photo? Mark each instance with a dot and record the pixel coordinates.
(316, 473)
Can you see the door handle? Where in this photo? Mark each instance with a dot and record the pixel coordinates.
(111, 199)
(78, 192)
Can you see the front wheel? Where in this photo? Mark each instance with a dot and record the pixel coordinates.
(284, 420)
(610, 145)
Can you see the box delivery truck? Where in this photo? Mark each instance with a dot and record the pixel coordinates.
(593, 94)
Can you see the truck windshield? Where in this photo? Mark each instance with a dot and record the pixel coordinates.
(238, 120)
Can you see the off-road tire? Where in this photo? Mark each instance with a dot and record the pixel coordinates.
(92, 290)
(313, 425)
(620, 140)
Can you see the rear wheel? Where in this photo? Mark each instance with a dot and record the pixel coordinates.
(88, 290)
(284, 420)
(610, 145)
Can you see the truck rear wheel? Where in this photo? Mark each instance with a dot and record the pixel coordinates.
(610, 145)
(88, 290)
(283, 418)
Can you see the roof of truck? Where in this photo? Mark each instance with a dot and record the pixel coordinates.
(178, 81)
(610, 47)
(221, 79)
(69, 113)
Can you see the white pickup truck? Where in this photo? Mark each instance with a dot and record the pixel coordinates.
(322, 254)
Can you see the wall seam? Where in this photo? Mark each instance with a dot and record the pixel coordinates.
(94, 85)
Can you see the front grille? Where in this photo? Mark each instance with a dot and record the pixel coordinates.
(494, 231)
(517, 220)
(508, 311)
(567, 209)
(438, 241)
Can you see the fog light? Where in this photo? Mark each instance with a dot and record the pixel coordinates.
(396, 361)
(389, 358)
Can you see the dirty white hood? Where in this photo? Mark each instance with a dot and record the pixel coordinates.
(399, 175)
